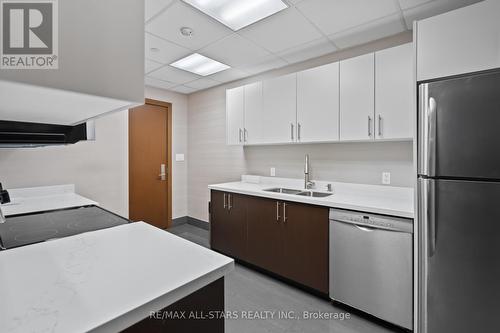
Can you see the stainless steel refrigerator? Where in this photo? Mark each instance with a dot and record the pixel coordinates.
(459, 204)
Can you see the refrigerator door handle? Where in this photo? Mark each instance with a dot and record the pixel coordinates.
(428, 216)
(431, 217)
(427, 132)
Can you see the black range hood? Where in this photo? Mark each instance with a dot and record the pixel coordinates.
(15, 134)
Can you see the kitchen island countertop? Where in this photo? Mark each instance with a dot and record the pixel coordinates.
(101, 281)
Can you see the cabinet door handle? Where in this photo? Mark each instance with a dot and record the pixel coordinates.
(284, 212)
(225, 200)
(229, 201)
(291, 131)
(245, 135)
(277, 211)
(299, 128)
(369, 126)
(379, 125)
(240, 135)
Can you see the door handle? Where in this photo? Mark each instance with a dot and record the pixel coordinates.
(225, 200)
(369, 126)
(245, 135)
(291, 131)
(240, 135)
(163, 172)
(229, 201)
(277, 211)
(431, 158)
(379, 125)
(285, 218)
(364, 228)
(299, 127)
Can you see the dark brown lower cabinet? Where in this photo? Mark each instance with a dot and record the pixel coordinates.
(265, 243)
(197, 312)
(228, 226)
(306, 233)
(286, 238)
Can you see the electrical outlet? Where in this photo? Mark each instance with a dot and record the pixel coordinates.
(273, 172)
(386, 178)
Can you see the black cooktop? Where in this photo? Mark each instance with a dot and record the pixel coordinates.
(27, 229)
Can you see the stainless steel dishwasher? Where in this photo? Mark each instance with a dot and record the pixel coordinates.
(371, 264)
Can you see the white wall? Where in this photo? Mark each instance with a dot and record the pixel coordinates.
(211, 161)
(179, 146)
(99, 169)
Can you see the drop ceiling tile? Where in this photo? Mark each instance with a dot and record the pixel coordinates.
(152, 82)
(271, 62)
(229, 75)
(365, 33)
(167, 52)
(405, 4)
(282, 31)
(174, 75)
(309, 50)
(150, 65)
(433, 8)
(183, 89)
(168, 24)
(202, 84)
(153, 7)
(339, 15)
(235, 51)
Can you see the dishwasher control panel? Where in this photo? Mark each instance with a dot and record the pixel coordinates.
(372, 220)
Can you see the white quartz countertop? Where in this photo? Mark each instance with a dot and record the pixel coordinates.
(39, 199)
(386, 200)
(101, 281)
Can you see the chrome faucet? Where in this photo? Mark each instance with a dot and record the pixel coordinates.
(308, 184)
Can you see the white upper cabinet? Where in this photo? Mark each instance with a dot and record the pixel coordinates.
(393, 93)
(279, 118)
(318, 104)
(462, 41)
(254, 113)
(357, 98)
(235, 115)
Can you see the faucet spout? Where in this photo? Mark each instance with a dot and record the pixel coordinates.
(308, 184)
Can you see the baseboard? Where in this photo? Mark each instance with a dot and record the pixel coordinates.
(190, 220)
(198, 223)
(179, 221)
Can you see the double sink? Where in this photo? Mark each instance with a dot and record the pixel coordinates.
(303, 193)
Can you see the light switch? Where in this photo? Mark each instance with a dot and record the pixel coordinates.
(273, 172)
(179, 157)
(386, 178)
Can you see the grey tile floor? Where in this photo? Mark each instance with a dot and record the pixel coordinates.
(250, 291)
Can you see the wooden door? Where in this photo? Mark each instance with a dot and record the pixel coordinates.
(228, 224)
(149, 176)
(394, 93)
(306, 246)
(264, 236)
(318, 104)
(235, 115)
(357, 98)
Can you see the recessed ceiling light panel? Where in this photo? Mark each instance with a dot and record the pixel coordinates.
(237, 14)
(199, 64)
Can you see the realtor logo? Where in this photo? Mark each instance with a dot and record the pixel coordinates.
(29, 34)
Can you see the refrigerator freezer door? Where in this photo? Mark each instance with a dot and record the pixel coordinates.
(459, 127)
(460, 288)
